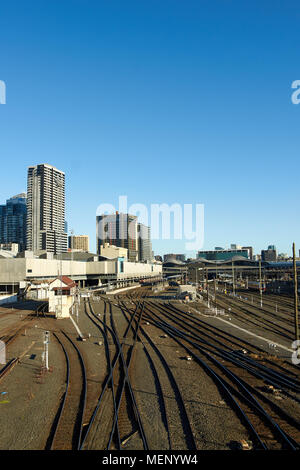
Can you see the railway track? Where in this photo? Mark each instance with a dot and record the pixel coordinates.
(284, 315)
(126, 418)
(253, 316)
(66, 431)
(273, 375)
(266, 431)
(13, 332)
(179, 430)
(230, 341)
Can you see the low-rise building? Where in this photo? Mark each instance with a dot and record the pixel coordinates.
(112, 251)
(186, 292)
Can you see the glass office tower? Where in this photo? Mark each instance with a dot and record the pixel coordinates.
(13, 221)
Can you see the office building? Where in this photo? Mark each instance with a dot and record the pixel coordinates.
(250, 251)
(13, 221)
(79, 242)
(119, 230)
(46, 209)
(234, 246)
(268, 255)
(145, 245)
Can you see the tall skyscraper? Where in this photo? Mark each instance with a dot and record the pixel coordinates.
(118, 230)
(46, 209)
(13, 221)
(145, 245)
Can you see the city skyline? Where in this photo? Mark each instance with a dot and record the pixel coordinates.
(161, 103)
(226, 245)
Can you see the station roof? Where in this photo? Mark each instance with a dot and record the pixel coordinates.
(174, 261)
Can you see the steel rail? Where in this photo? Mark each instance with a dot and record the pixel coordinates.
(272, 377)
(239, 382)
(185, 419)
(110, 378)
(83, 395)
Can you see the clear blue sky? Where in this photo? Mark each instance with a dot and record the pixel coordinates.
(164, 101)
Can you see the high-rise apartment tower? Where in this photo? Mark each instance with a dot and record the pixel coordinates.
(46, 209)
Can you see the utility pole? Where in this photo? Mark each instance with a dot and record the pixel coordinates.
(61, 299)
(215, 284)
(207, 288)
(260, 288)
(295, 294)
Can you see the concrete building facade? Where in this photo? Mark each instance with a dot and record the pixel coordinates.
(46, 209)
(112, 251)
(79, 242)
(14, 271)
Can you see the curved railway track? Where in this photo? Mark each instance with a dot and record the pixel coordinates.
(237, 386)
(126, 416)
(66, 431)
(170, 388)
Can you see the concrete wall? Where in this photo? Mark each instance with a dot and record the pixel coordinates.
(141, 268)
(12, 270)
(101, 267)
